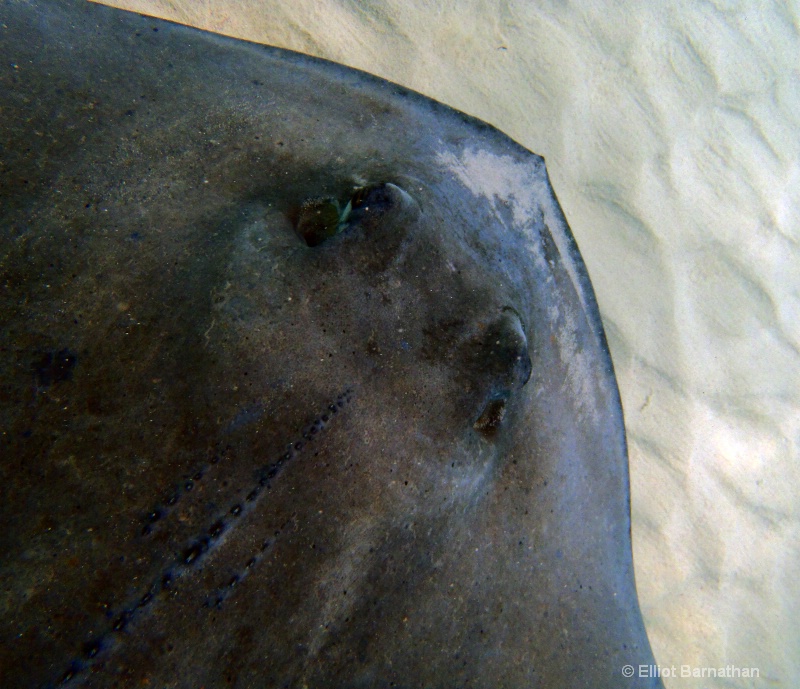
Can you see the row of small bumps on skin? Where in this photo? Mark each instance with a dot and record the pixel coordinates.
(206, 541)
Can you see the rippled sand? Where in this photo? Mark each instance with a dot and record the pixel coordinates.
(672, 136)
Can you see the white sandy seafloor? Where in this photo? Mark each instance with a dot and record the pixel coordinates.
(671, 131)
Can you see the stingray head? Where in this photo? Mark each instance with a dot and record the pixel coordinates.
(472, 497)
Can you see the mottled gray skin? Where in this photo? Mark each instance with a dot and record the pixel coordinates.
(460, 518)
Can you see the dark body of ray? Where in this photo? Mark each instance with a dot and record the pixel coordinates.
(303, 381)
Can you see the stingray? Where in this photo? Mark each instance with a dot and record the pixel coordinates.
(303, 380)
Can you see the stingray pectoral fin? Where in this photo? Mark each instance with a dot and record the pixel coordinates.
(303, 380)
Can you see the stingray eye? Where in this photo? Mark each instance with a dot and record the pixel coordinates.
(505, 359)
(488, 423)
(384, 204)
(378, 205)
(379, 199)
(319, 219)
